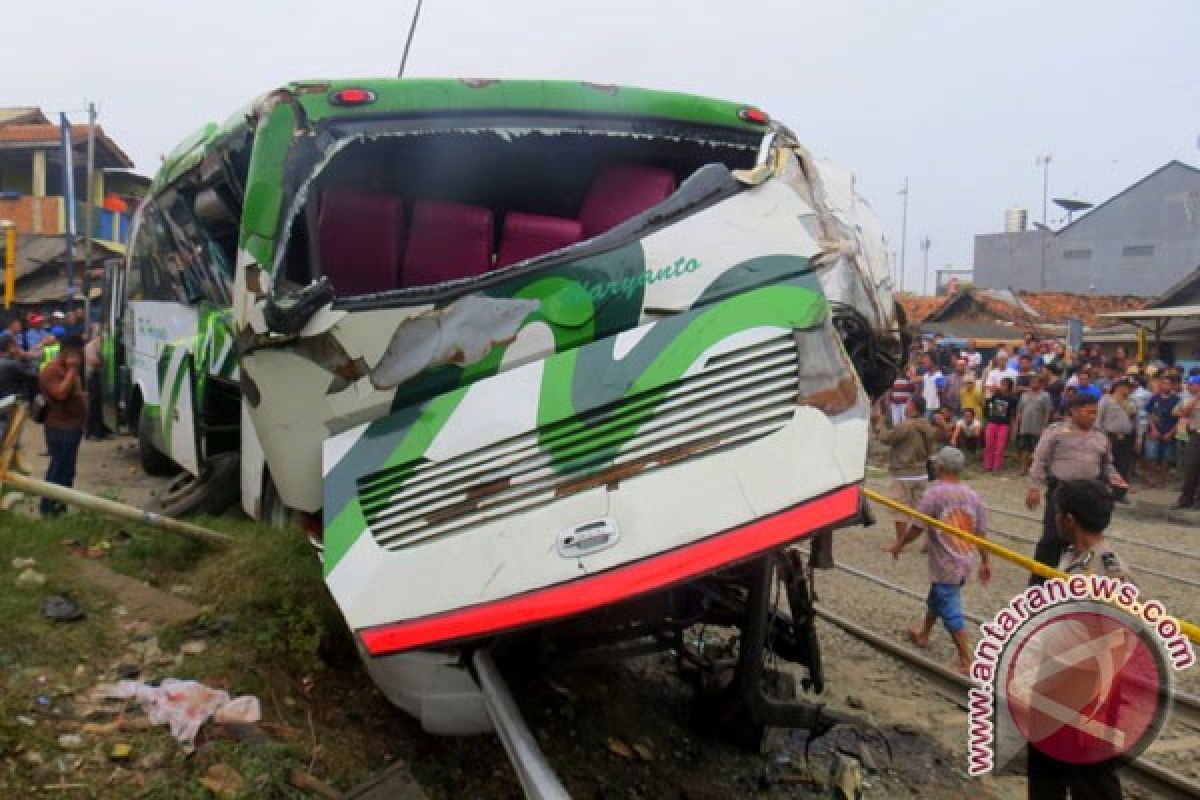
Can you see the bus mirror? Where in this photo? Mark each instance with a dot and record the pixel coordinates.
(291, 312)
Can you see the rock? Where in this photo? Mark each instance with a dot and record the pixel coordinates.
(193, 648)
(845, 777)
(29, 578)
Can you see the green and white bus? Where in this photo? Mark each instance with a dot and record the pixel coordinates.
(530, 360)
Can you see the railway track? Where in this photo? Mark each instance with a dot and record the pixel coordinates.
(1116, 537)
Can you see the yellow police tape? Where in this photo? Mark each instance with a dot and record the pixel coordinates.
(1000, 551)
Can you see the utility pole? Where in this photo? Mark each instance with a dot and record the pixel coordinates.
(925, 245)
(90, 214)
(408, 42)
(1043, 161)
(903, 232)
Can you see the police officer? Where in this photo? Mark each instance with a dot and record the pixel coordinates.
(1084, 510)
(1069, 450)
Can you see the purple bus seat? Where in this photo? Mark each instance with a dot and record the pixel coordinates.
(446, 242)
(529, 235)
(361, 240)
(621, 191)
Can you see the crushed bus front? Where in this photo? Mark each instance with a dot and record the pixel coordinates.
(535, 351)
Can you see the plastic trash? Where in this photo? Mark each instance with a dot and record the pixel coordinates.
(30, 577)
(24, 563)
(245, 709)
(185, 705)
(61, 608)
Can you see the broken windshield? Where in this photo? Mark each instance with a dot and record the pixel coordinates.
(387, 210)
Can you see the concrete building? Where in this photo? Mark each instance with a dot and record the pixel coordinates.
(1138, 242)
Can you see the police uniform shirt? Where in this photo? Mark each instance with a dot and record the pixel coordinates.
(1067, 452)
(1100, 560)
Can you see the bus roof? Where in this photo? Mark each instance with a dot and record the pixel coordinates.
(424, 95)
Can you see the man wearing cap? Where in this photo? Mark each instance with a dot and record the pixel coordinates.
(1116, 416)
(1069, 450)
(951, 560)
(1188, 413)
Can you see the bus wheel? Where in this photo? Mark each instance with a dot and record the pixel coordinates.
(153, 461)
(209, 494)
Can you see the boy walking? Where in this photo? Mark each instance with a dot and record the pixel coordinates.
(950, 559)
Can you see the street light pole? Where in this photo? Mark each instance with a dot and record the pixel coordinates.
(1043, 161)
(903, 232)
(925, 245)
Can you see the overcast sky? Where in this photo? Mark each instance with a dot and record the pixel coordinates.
(961, 97)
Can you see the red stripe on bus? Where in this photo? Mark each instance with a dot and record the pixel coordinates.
(619, 583)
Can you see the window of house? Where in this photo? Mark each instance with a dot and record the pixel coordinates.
(1077, 255)
(1138, 250)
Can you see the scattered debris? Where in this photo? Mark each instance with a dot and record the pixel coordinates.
(30, 577)
(24, 563)
(181, 589)
(193, 648)
(120, 752)
(854, 701)
(302, 780)
(62, 608)
(70, 741)
(846, 778)
(223, 781)
(26, 721)
(186, 705)
(620, 748)
(644, 751)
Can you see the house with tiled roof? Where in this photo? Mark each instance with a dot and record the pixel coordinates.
(33, 201)
(32, 177)
(999, 316)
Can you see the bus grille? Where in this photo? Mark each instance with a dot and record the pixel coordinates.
(739, 396)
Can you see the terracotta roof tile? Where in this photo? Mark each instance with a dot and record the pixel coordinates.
(49, 134)
(917, 307)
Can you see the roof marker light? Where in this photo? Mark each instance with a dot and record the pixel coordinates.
(754, 115)
(352, 97)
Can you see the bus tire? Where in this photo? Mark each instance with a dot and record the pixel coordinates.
(154, 462)
(210, 494)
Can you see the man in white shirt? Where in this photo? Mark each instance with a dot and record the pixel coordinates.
(932, 383)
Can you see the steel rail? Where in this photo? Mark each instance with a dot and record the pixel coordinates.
(1116, 537)
(1136, 567)
(1162, 781)
(1184, 706)
(1187, 628)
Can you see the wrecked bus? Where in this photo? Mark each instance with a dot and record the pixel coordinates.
(542, 362)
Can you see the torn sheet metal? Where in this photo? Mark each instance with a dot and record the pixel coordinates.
(463, 333)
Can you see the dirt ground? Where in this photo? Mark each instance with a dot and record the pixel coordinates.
(626, 731)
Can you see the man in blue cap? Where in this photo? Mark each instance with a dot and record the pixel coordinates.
(1189, 419)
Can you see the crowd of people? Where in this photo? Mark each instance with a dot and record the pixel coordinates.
(995, 407)
(1081, 426)
(53, 362)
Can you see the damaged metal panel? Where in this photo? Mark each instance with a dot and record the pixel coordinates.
(462, 333)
